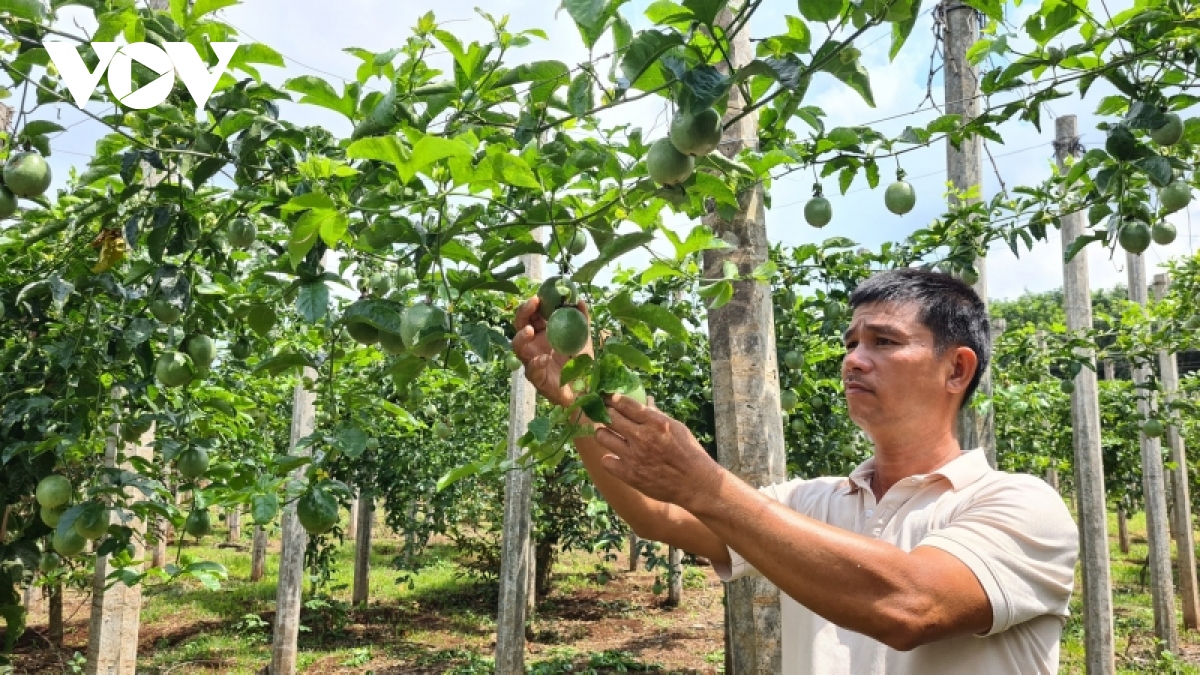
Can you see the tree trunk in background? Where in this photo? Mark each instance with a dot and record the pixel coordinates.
(634, 542)
(362, 548)
(1123, 530)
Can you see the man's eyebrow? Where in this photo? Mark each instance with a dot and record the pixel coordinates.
(877, 328)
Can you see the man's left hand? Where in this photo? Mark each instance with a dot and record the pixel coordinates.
(655, 454)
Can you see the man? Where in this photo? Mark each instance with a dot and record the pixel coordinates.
(923, 561)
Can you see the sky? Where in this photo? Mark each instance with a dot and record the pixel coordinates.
(312, 36)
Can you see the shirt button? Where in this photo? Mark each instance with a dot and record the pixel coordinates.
(869, 512)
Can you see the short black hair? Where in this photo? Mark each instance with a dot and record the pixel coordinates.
(947, 306)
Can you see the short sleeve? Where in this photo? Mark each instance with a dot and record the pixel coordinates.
(783, 493)
(1019, 540)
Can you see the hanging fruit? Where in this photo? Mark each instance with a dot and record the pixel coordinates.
(818, 211)
(900, 198)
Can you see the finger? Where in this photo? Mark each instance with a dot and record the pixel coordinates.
(621, 424)
(611, 441)
(526, 312)
(634, 411)
(522, 343)
(650, 403)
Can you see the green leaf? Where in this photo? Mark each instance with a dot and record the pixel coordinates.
(32, 10)
(405, 370)
(902, 29)
(333, 225)
(431, 149)
(513, 171)
(1157, 168)
(381, 148)
(576, 368)
(312, 302)
(706, 11)
(14, 621)
(351, 439)
(303, 238)
(593, 406)
(845, 66)
(458, 474)
(41, 127)
(630, 355)
(580, 95)
(203, 7)
(384, 315)
(821, 10)
(717, 294)
(611, 251)
(590, 17)
(316, 91)
(538, 71)
(284, 362)
(625, 309)
(264, 508)
(645, 50)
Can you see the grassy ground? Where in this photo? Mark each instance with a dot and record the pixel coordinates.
(600, 618)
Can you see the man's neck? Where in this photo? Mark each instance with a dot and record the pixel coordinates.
(897, 459)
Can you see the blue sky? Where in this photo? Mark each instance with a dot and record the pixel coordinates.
(312, 35)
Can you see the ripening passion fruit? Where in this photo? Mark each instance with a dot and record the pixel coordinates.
(1169, 133)
(27, 174)
(900, 198)
(698, 134)
(667, 165)
(424, 329)
(567, 331)
(556, 292)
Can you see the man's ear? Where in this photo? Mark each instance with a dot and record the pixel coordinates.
(963, 363)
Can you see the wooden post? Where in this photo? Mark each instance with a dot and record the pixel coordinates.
(55, 627)
(675, 588)
(745, 377)
(113, 630)
(258, 554)
(352, 526)
(1085, 427)
(1185, 543)
(362, 548)
(295, 539)
(634, 542)
(517, 559)
(1051, 471)
(964, 168)
(1154, 487)
(1122, 529)
(233, 518)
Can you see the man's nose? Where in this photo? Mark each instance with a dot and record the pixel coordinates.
(855, 360)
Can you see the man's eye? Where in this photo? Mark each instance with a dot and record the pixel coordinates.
(851, 345)
(883, 341)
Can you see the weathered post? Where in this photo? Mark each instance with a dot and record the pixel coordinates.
(1185, 543)
(295, 539)
(745, 377)
(517, 557)
(116, 609)
(675, 587)
(1154, 486)
(362, 548)
(964, 169)
(258, 554)
(1085, 427)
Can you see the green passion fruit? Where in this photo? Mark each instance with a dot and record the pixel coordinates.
(392, 343)
(900, 198)
(174, 369)
(164, 311)
(240, 349)
(202, 349)
(51, 516)
(556, 292)
(1170, 133)
(667, 165)
(1152, 428)
(363, 333)
(317, 511)
(1175, 196)
(192, 463)
(818, 212)
(1162, 233)
(1134, 236)
(27, 174)
(567, 331)
(198, 523)
(92, 522)
(53, 490)
(67, 542)
(698, 134)
(241, 233)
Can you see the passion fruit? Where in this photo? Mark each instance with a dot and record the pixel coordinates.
(1152, 428)
(174, 369)
(240, 349)
(198, 523)
(202, 349)
(698, 134)
(1162, 232)
(92, 522)
(53, 491)
(192, 463)
(164, 311)
(556, 292)
(900, 198)
(242, 233)
(317, 511)
(667, 165)
(1170, 133)
(1134, 236)
(1175, 196)
(391, 343)
(567, 331)
(818, 212)
(27, 174)
(67, 543)
(51, 516)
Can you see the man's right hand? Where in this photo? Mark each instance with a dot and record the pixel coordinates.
(543, 365)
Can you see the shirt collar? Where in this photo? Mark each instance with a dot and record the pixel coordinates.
(962, 471)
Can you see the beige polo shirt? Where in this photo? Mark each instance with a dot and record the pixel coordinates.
(1012, 530)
